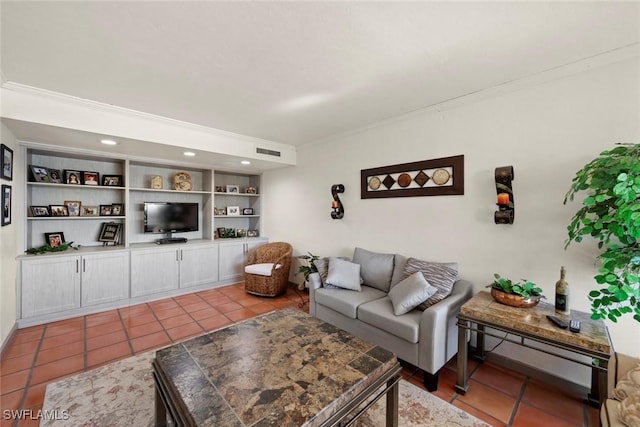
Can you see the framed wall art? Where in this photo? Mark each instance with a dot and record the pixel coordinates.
(6, 205)
(436, 177)
(6, 156)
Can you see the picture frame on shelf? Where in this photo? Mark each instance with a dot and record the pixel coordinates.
(219, 211)
(247, 211)
(251, 190)
(241, 232)
(221, 232)
(54, 239)
(39, 173)
(5, 218)
(39, 210)
(89, 210)
(220, 189)
(72, 177)
(252, 233)
(109, 232)
(112, 180)
(233, 189)
(117, 209)
(73, 207)
(233, 210)
(90, 178)
(58, 210)
(105, 210)
(55, 176)
(6, 156)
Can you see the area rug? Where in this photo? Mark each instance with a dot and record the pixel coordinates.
(122, 394)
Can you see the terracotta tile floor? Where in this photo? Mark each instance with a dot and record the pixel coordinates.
(41, 354)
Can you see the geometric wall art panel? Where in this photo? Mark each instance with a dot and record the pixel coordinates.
(435, 177)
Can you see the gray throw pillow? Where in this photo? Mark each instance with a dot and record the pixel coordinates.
(439, 275)
(344, 274)
(322, 265)
(409, 293)
(375, 268)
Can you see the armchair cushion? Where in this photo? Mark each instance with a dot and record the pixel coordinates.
(262, 269)
(411, 292)
(439, 275)
(344, 274)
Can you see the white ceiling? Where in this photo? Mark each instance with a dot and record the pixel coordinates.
(297, 72)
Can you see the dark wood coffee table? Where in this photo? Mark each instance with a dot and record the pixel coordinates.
(284, 368)
(532, 325)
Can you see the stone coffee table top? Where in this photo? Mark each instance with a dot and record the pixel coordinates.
(282, 368)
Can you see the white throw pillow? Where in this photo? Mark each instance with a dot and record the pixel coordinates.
(344, 274)
(409, 293)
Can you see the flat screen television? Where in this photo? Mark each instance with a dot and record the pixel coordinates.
(167, 218)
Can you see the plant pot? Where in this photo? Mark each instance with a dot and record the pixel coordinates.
(514, 300)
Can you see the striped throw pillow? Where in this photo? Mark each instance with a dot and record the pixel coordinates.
(439, 275)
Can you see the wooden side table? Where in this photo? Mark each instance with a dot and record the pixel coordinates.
(531, 324)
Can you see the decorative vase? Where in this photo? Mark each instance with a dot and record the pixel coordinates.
(514, 300)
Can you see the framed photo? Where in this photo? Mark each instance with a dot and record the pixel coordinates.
(221, 231)
(251, 190)
(6, 205)
(113, 180)
(73, 207)
(109, 233)
(105, 210)
(7, 163)
(39, 173)
(233, 210)
(90, 178)
(233, 189)
(252, 233)
(219, 211)
(117, 209)
(39, 211)
(89, 211)
(241, 232)
(72, 177)
(247, 211)
(54, 239)
(55, 176)
(58, 210)
(220, 189)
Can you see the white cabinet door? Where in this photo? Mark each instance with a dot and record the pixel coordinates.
(154, 270)
(232, 256)
(198, 265)
(49, 284)
(105, 277)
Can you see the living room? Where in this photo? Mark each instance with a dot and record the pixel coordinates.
(547, 125)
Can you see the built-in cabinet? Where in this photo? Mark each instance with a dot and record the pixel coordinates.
(97, 277)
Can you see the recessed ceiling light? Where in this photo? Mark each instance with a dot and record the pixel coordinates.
(189, 153)
(245, 162)
(108, 142)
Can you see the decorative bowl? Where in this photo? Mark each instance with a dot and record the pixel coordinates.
(514, 300)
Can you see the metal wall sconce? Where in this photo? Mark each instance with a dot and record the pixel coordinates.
(506, 209)
(337, 209)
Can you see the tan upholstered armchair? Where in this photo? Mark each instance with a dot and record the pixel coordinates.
(267, 269)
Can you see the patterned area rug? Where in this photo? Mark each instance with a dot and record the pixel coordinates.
(122, 394)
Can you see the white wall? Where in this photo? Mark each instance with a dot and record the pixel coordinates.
(8, 248)
(547, 132)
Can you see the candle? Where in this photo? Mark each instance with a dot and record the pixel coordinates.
(503, 199)
(334, 204)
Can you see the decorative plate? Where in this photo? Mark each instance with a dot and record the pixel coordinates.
(440, 177)
(182, 181)
(404, 180)
(374, 183)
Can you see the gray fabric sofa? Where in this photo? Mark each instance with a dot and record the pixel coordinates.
(427, 339)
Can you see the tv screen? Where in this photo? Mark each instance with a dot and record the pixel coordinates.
(170, 217)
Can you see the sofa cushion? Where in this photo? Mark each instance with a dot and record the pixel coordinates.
(399, 261)
(347, 302)
(628, 385)
(344, 274)
(375, 268)
(379, 313)
(629, 410)
(439, 275)
(409, 293)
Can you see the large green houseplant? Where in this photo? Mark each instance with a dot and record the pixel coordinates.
(610, 213)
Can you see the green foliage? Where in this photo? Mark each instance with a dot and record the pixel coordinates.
(610, 213)
(525, 289)
(308, 267)
(46, 248)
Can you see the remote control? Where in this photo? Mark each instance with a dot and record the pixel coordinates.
(559, 323)
(574, 326)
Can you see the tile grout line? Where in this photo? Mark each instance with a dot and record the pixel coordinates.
(514, 412)
(27, 384)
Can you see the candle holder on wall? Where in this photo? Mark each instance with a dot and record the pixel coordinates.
(504, 188)
(337, 209)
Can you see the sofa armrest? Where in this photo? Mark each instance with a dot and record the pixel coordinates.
(435, 334)
(313, 283)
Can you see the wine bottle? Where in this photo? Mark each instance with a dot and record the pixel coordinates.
(562, 294)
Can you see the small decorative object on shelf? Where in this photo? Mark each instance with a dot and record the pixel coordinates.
(55, 176)
(58, 210)
(112, 180)
(156, 182)
(241, 232)
(48, 248)
(182, 181)
(219, 211)
(54, 239)
(39, 174)
(520, 294)
(252, 233)
(251, 190)
(90, 178)
(233, 210)
(72, 177)
(506, 211)
(73, 207)
(39, 210)
(110, 233)
(337, 209)
(562, 293)
(233, 189)
(247, 211)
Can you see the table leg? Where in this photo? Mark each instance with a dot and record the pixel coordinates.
(392, 403)
(598, 392)
(479, 353)
(461, 380)
(161, 410)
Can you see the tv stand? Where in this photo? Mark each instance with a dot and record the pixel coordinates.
(168, 240)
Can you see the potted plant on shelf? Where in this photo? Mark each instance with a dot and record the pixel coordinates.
(307, 267)
(610, 213)
(523, 294)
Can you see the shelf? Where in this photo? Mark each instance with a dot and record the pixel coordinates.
(162, 190)
(220, 193)
(236, 216)
(74, 186)
(74, 218)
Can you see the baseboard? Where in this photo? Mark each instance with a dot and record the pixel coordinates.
(6, 342)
